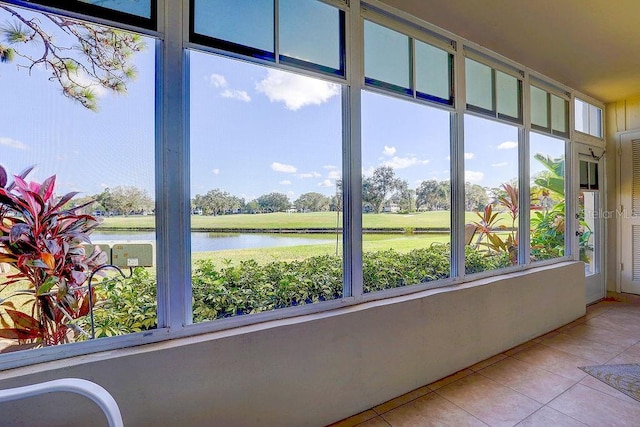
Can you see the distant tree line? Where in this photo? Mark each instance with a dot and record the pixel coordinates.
(381, 192)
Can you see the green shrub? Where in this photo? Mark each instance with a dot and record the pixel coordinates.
(219, 291)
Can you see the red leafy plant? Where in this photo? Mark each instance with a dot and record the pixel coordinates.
(41, 241)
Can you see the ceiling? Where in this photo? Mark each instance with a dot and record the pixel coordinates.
(589, 45)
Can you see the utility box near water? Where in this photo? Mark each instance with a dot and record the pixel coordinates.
(138, 254)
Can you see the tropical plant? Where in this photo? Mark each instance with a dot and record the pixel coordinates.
(42, 242)
(490, 231)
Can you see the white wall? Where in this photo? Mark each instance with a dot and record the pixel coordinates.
(315, 369)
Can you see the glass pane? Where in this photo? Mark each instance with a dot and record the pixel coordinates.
(245, 22)
(406, 192)
(139, 7)
(508, 88)
(318, 43)
(386, 55)
(491, 186)
(593, 176)
(595, 121)
(433, 71)
(94, 140)
(479, 84)
(581, 116)
(587, 215)
(559, 114)
(251, 177)
(547, 189)
(539, 107)
(584, 174)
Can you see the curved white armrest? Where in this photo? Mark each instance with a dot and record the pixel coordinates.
(93, 391)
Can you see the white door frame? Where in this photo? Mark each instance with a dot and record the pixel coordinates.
(594, 153)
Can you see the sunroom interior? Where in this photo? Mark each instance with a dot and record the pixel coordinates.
(468, 93)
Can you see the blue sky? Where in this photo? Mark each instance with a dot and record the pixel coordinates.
(254, 130)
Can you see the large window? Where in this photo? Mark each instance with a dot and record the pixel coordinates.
(406, 192)
(547, 190)
(84, 119)
(491, 194)
(234, 139)
(265, 188)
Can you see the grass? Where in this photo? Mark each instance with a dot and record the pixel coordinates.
(372, 242)
(299, 221)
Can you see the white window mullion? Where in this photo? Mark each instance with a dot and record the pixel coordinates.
(458, 166)
(352, 153)
(172, 177)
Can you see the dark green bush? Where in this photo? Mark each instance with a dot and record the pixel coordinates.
(229, 290)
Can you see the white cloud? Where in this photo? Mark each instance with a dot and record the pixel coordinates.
(330, 167)
(469, 156)
(326, 183)
(471, 176)
(497, 165)
(12, 143)
(216, 171)
(404, 162)
(281, 167)
(368, 171)
(389, 151)
(217, 80)
(285, 182)
(291, 193)
(507, 145)
(296, 91)
(334, 175)
(313, 174)
(240, 95)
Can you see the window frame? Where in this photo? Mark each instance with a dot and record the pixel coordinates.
(275, 57)
(172, 32)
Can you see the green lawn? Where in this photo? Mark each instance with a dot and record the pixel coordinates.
(280, 220)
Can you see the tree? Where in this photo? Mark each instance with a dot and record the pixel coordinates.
(475, 197)
(434, 195)
(273, 202)
(217, 202)
(313, 202)
(102, 57)
(380, 187)
(125, 200)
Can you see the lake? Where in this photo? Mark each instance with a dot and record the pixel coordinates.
(202, 241)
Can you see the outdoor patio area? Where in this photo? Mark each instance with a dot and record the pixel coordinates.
(535, 384)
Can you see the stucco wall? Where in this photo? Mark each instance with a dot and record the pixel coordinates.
(315, 369)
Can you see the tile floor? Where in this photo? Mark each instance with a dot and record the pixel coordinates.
(535, 384)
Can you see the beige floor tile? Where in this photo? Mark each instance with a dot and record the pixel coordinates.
(401, 400)
(634, 350)
(624, 358)
(583, 347)
(524, 378)
(549, 417)
(488, 362)
(374, 422)
(489, 401)
(554, 360)
(615, 325)
(451, 378)
(595, 408)
(430, 410)
(356, 419)
(596, 384)
(603, 335)
(545, 336)
(523, 346)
